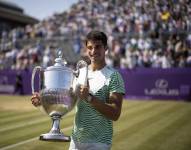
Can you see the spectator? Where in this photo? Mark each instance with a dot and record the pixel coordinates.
(145, 25)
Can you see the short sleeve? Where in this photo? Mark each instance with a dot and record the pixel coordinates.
(116, 83)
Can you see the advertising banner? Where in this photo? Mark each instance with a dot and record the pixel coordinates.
(166, 84)
(140, 83)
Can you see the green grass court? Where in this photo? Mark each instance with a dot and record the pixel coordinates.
(143, 125)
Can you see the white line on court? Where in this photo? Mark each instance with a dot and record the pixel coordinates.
(22, 125)
(29, 140)
(27, 123)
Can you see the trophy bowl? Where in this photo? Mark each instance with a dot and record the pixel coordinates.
(56, 87)
(56, 101)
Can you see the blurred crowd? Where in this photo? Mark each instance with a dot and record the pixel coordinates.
(141, 33)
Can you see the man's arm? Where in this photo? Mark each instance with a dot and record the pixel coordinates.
(111, 110)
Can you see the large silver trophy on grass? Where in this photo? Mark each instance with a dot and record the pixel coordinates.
(55, 85)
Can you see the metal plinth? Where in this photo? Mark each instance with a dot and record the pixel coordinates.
(55, 134)
(59, 137)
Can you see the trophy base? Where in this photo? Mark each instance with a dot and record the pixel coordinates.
(59, 137)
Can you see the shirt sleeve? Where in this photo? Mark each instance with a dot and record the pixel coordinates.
(116, 83)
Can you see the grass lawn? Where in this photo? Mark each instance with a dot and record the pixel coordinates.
(143, 125)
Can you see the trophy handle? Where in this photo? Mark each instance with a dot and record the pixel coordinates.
(33, 75)
(83, 81)
(82, 64)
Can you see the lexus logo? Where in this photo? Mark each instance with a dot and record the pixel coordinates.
(161, 83)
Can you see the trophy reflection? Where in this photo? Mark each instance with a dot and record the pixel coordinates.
(56, 84)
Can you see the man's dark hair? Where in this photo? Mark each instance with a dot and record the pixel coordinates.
(97, 36)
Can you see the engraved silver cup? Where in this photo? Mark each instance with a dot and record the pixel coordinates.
(55, 84)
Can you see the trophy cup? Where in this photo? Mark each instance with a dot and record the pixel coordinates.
(55, 85)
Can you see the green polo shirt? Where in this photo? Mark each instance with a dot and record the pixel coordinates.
(90, 126)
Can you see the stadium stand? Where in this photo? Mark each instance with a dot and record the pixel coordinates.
(141, 33)
(12, 16)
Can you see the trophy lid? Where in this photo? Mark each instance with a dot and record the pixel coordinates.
(60, 63)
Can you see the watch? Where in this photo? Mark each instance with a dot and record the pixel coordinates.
(89, 98)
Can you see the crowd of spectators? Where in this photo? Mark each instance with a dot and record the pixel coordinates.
(141, 33)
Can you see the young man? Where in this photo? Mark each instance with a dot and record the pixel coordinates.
(99, 102)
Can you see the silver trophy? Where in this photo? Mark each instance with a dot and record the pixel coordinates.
(56, 84)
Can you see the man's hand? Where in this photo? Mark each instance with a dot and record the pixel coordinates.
(72, 93)
(35, 99)
(83, 92)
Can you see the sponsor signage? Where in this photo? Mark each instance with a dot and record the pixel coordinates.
(162, 87)
(174, 83)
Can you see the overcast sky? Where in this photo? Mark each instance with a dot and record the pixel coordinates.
(41, 9)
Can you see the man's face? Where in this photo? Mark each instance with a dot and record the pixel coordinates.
(96, 51)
